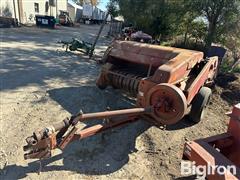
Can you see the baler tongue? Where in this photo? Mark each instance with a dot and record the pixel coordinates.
(39, 151)
(59, 135)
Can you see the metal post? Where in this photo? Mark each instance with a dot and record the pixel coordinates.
(56, 9)
(99, 33)
(15, 16)
(19, 10)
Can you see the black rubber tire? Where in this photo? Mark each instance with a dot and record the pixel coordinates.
(199, 103)
(102, 87)
(101, 82)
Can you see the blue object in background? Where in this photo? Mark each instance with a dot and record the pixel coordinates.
(216, 51)
(45, 21)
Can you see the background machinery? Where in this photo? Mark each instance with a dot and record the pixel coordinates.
(77, 45)
(65, 19)
(220, 150)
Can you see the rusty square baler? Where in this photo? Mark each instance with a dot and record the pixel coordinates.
(168, 84)
(165, 78)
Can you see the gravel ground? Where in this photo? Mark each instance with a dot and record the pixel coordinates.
(42, 84)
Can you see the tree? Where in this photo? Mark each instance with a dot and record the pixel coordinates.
(232, 42)
(204, 20)
(112, 8)
(92, 2)
(158, 18)
(218, 13)
(198, 30)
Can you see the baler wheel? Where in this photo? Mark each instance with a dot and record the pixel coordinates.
(199, 104)
(169, 103)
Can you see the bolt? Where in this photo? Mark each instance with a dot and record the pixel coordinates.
(80, 112)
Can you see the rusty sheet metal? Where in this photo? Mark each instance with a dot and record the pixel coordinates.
(177, 68)
(68, 138)
(204, 154)
(202, 77)
(152, 54)
(223, 149)
(81, 134)
(234, 130)
(172, 63)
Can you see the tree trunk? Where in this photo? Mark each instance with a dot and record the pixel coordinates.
(211, 33)
(185, 35)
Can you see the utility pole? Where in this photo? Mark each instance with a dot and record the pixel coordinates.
(56, 9)
(109, 11)
(15, 16)
(19, 10)
(98, 35)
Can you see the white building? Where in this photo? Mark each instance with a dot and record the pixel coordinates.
(85, 12)
(25, 10)
(75, 11)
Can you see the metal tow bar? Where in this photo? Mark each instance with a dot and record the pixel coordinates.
(59, 135)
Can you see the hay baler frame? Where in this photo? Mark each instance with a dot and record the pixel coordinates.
(164, 93)
(160, 75)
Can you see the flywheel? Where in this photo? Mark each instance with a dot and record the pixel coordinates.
(169, 103)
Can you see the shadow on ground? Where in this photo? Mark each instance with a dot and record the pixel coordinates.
(230, 87)
(97, 155)
(101, 154)
(89, 99)
(26, 67)
(30, 56)
(182, 124)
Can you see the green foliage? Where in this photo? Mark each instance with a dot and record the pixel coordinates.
(112, 8)
(203, 20)
(198, 30)
(219, 14)
(158, 18)
(189, 44)
(226, 66)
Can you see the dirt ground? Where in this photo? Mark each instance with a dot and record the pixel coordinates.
(42, 84)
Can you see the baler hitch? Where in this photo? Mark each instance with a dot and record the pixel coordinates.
(59, 135)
